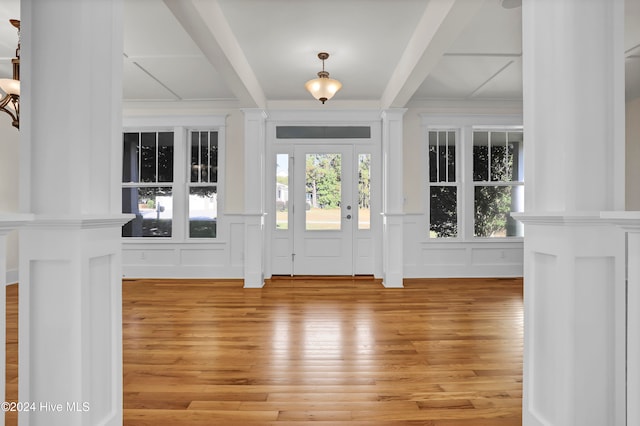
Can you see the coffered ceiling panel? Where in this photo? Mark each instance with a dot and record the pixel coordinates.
(192, 78)
(505, 84)
(494, 30)
(150, 29)
(137, 85)
(463, 76)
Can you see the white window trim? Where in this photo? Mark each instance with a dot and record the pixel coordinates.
(181, 126)
(464, 126)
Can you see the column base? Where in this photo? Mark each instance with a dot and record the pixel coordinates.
(574, 297)
(70, 314)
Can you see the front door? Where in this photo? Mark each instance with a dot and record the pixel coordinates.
(324, 210)
(324, 218)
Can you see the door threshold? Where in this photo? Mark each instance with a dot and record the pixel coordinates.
(322, 277)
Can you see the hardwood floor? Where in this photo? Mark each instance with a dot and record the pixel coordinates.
(11, 373)
(332, 352)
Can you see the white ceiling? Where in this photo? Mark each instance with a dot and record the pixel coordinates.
(386, 53)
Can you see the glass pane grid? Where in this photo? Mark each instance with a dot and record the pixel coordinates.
(498, 183)
(442, 156)
(497, 156)
(204, 157)
(443, 188)
(147, 157)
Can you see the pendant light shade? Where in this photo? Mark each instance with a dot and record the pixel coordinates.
(323, 88)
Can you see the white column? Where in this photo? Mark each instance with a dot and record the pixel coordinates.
(70, 336)
(392, 198)
(630, 222)
(8, 222)
(254, 204)
(573, 101)
(633, 323)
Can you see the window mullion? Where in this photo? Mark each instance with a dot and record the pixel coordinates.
(179, 158)
(467, 207)
(139, 165)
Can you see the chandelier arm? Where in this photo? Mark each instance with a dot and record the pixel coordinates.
(4, 102)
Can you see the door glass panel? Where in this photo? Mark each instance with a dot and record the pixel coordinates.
(364, 191)
(282, 191)
(323, 192)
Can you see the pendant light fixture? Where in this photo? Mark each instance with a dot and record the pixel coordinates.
(10, 102)
(323, 88)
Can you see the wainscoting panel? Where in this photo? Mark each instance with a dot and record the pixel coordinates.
(443, 258)
(219, 258)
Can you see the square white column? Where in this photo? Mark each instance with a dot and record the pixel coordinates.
(70, 331)
(392, 198)
(573, 104)
(254, 197)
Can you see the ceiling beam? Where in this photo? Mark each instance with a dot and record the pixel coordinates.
(440, 25)
(205, 23)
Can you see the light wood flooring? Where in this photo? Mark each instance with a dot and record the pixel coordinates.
(338, 352)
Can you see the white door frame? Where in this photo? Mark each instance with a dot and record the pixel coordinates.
(367, 243)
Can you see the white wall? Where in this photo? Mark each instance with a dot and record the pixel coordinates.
(234, 179)
(633, 155)
(9, 156)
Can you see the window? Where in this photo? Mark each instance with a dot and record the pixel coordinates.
(147, 184)
(475, 180)
(203, 189)
(443, 188)
(170, 182)
(498, 183)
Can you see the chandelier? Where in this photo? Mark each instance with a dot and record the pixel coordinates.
(10, 102)
(323, 88)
